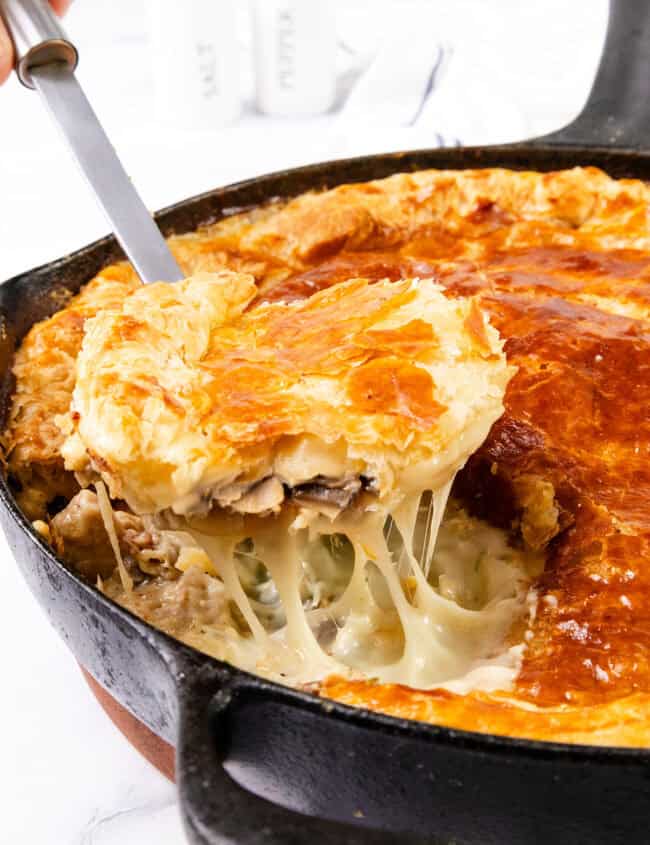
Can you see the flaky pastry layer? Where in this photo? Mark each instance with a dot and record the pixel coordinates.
(184, 397)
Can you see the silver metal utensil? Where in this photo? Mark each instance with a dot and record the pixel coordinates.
(46, 60)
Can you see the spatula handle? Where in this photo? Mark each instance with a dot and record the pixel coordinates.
(37, 36)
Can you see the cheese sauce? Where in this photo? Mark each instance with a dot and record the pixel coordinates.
(302, 597)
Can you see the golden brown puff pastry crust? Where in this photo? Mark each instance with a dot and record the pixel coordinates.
(183, 394)
(562, 263)
(44, 369)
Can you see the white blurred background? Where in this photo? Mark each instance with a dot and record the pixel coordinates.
(504, 70)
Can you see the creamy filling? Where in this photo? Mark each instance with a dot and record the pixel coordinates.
(306, 595)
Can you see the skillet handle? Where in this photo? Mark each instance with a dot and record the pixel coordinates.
(215, 809)
(617, 112)
(350, 777)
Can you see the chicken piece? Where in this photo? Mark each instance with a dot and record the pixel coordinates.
(79, 536)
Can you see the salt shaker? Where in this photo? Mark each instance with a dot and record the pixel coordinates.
(295, 52)
(195, 61)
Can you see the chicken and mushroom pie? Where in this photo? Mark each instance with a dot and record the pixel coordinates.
(240, 458)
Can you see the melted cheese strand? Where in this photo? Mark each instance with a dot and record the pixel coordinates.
(106, 512)
(425, 658)
(221, 550)
(281, 558)
(465, 629)
(439, 499)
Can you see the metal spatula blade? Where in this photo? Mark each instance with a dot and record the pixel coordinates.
(46, 61)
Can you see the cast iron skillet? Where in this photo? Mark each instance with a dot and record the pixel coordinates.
(351, 775)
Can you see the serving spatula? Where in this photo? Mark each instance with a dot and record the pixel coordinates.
(46, 60)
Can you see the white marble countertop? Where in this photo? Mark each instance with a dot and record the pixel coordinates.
(68, 775)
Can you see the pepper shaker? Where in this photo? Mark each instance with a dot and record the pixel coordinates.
(295, 52)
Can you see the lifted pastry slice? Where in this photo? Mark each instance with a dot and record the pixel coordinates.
(262, 431)
(186, 397)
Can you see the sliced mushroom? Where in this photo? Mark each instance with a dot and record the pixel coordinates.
(264, 497)
(337, 493)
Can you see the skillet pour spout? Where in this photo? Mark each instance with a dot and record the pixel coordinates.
(260, 764)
